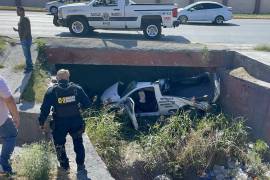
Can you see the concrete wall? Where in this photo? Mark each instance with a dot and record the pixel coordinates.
(239, 6)
(265, 6)
(243, 6)
(27, 3)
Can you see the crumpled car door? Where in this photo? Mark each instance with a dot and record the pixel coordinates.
(129, 106)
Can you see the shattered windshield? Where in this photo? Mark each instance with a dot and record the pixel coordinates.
(129, 88)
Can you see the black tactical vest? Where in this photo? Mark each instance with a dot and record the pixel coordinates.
(66, 105)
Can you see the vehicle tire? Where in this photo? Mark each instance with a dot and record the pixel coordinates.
(53, 10)
(78, 26)
(219, 20)
(183, 19)
(152, 30)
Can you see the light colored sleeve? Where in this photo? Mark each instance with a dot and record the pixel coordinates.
(4, 90)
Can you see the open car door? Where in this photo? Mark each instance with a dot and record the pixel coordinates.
(129, 106)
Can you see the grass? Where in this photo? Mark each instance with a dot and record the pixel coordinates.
(37, 85)
(13, 8)
(2, 45)
(251, 16)
(176, 145)
(263, 47)
(35, 161)
(19, 67)
(2, 66)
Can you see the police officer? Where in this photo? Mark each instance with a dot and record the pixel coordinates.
(66, 99)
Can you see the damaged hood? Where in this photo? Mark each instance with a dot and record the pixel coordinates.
(111, 94)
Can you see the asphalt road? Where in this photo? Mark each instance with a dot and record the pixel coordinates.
(233, 32)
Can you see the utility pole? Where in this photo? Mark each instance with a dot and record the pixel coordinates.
(257, 7)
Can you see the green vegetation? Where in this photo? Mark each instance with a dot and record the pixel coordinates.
(35, 161)
(251, 16)
(263, 47)
(38, 84)
(19, 67)
(2, 45)
(179, 145)
(41, 45)
(2, 66)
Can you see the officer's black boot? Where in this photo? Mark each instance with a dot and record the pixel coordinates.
(62, 157)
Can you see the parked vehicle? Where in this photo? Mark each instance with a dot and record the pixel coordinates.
(205, 11)
(81, 18)
(163, 97)
(52, 6)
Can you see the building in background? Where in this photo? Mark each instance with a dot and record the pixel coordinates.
(239, 6)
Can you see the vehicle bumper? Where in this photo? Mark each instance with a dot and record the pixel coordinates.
(59, 22)
(176, 23)
(62, 22)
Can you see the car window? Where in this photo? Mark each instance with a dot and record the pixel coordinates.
(198, 7)
(99, 3)
(211, 6)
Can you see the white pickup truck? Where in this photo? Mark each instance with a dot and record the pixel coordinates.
(163, 97)
(81, 18)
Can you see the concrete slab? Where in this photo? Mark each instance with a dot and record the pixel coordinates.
(256, 63)
(16, 79)
(134, 53)
(260, 56)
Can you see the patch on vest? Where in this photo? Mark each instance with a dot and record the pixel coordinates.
(66, 100)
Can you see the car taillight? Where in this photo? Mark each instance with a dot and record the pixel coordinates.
(174, 12)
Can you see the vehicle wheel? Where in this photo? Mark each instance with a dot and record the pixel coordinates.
(152, 30)
(78, 26)
(53, 10)
(219, 20)
(183, 19)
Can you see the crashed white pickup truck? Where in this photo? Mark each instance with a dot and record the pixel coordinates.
(81, 18)
(163, 97)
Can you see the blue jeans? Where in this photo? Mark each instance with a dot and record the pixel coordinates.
(26, 46)
(8, 132)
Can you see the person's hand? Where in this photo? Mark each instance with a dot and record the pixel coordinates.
(14, 29)
(17, 122)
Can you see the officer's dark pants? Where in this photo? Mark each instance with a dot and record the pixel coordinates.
(74, 127)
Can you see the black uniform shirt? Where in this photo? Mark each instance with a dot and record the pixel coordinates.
(50, 100)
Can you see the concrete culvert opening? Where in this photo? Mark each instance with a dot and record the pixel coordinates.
(98, 66)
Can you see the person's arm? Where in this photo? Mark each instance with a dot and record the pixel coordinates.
(45, 107)
(10, 102)
(5, 94)
(83, 99)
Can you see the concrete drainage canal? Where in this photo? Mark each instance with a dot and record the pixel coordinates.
(165, 146)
